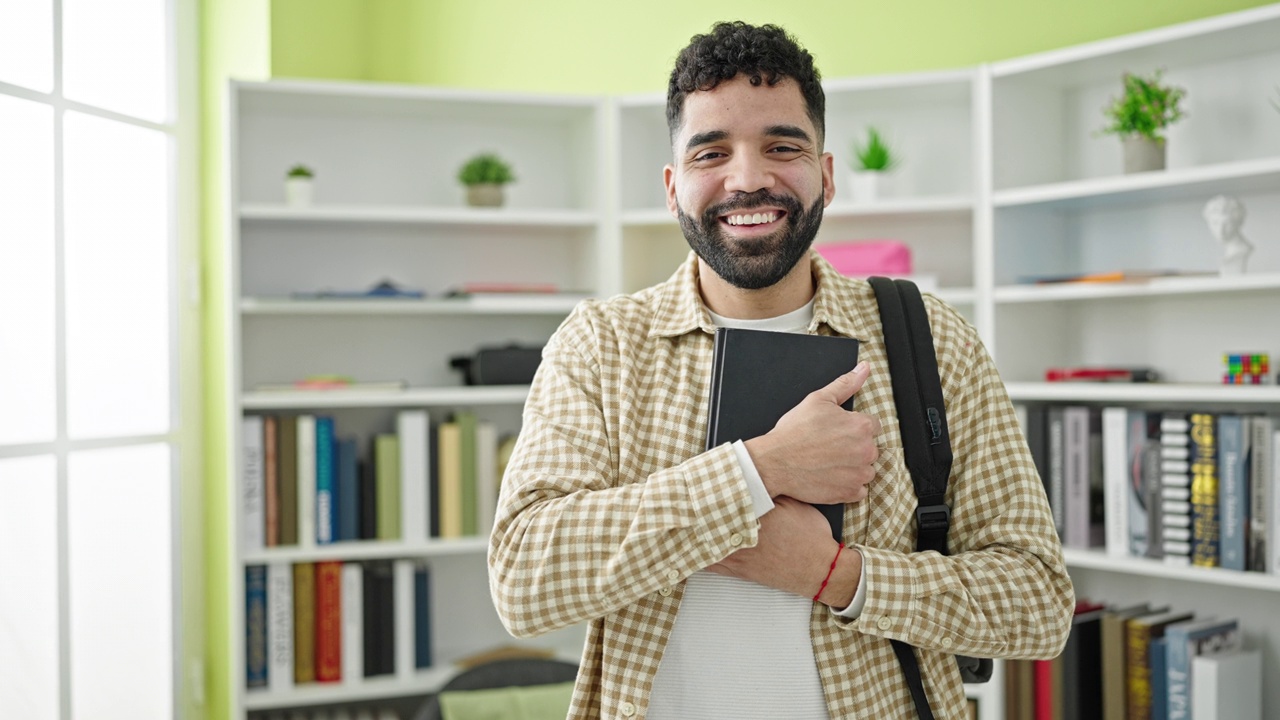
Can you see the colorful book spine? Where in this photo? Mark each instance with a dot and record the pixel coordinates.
(326, 507)
(271, 481)
(347, 462)
(1261, 487)
(450, 470)
(467, 426)
(1175, 515)
(1233, 490)
(287, 433)
(1183, 641)
(304, 622)
(255, 625)
(422, 655)
(252, 512)
(1205, 533)
(328, 621)
(280, 625)
(387, 474)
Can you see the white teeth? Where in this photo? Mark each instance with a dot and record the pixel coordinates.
(754, 219)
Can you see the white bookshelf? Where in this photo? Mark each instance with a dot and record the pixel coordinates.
(1004, 178)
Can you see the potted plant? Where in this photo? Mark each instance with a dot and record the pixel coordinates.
(871, 160)
(1140, 117)
(297, 185)
(484, 176)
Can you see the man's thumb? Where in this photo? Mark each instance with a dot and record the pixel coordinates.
(843, 387)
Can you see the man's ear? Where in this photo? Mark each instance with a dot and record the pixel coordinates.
(669, 182)
(828, 179)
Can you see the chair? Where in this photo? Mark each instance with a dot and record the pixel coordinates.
(509, 672)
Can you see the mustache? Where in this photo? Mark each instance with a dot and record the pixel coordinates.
(752, 199)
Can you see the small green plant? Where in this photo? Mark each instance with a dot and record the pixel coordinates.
(1145, 108)
(300, 171)
(875, 155)
(485, 169)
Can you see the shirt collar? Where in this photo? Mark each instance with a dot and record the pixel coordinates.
(840, 303)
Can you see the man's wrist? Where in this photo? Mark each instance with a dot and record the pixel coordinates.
(843, 583)
(761, 451)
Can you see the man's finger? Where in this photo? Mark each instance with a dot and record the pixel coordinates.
(843, 387)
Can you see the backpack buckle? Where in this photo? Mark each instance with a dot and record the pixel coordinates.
(931, 519)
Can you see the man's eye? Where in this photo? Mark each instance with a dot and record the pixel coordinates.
(708, 156)
(785, 149)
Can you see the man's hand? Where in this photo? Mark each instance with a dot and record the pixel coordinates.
(819, 452)
(794, 553)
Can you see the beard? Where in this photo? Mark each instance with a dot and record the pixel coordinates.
(754, 263)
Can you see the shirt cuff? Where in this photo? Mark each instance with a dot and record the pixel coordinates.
(760, 499)
(859, 596)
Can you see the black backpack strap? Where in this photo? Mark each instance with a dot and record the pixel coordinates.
(917, 394)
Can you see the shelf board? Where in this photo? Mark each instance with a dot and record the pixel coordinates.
(1099, 560)
(456, 216)
(957, 295)
(1116, 392)
(413, 397)
(1233, 178)
(422, 682)
(522, 304)
(367, 550)
(1173, 285)
(938, 205)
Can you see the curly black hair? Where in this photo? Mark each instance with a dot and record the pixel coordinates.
(765, 53)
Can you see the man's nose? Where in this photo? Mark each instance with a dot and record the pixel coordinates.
(748, 173)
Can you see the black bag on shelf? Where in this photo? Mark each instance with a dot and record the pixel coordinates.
(507, 365)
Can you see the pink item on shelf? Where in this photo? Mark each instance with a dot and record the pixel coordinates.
(860, 258)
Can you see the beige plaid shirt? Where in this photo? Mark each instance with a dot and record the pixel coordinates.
(609, 502)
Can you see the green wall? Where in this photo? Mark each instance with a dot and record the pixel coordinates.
(570, 46)
(607, 47)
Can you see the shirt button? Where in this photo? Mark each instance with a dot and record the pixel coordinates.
(673, 575)
(946, 641)
(628, 709)
(735, 539)
(665, 592)
(884, 623)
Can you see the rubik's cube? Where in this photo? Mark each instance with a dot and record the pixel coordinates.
(1247, 369)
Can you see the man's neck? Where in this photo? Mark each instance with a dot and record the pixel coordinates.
(792, 292)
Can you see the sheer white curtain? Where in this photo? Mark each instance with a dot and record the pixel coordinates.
(89, 434)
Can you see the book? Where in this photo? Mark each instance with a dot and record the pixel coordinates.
(1101, 374)
(758, 376)
(1075, 419)
(1057, 454)
(422, 654)
(304, 622)
(1116, 442)
(1109, 276)
(1159, 678)
(1233, 490)
(347, 467)
(287, 454)
(1261, 487)
(379, 618)
(1205, 533)
(1273, 509)
(1184, 641)
(255, 625)
(1019, 685)
(413, 428)
(387, 478)
(326, 507)
(1112, 641)
(328, 621)
(306, 481)
(271, 481)
(1139, 632)
(450, 471)
(405, 665)
(368, 497)
(280, 625)
(1227, 685)
(1081, 664)
(332, 383)
(486, 476)
(352, 623)
(1175, 432)
(466, 421)
(252, 511)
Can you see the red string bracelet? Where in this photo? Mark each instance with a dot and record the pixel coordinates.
(830, 570)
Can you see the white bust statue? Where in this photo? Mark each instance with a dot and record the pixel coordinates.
(1225, 215)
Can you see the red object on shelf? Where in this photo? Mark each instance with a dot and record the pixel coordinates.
(1101, 374)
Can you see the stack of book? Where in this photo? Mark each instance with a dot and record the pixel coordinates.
(1186, 487)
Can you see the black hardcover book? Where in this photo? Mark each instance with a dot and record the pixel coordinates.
(758, 376)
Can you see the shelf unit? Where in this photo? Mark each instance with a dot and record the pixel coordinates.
(387, 207)
(1004, 178)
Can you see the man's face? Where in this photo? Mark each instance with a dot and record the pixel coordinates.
(749, 180)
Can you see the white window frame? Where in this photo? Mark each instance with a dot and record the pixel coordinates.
(185, 300)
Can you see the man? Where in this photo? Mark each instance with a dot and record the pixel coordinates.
(711, 585)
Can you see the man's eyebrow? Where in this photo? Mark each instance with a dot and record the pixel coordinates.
(788, 131)
(705, 137)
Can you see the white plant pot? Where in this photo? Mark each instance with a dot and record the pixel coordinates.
(1142, 154)
(864, 186)
(297, 191)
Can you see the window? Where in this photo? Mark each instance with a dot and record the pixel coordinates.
(92, 161)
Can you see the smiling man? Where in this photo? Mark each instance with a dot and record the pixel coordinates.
(712, 587)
